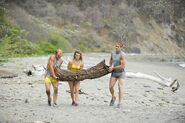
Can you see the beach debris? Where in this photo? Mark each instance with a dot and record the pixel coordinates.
(28, 72)
(145, 95)
(174, 85)
(147, 91)
(39, 69)
(9, 76)
(160, 88)
(99, 89)
(26, 101)
(182, 65)
(80, 92)
(151, 100)
(147, 86)
(39, 122)
(29, 83)
(36, 70)
(160, 104)
(126, 111)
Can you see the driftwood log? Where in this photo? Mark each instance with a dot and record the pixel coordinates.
(9, 76)
(101, 69)
(166, 82)
(96, 71)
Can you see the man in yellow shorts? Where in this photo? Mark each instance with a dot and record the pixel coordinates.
(50, 77)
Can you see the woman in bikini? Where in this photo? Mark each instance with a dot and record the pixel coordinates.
(74, 65)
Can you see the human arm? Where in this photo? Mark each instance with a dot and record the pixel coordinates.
(110, 64)
(69, 66)
(61, 62)
(81, 66)
(110, 61)
(50, 66)
(121, 66)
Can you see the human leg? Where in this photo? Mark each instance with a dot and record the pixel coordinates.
(120, 88)
(71, 86)
(77, 85)
(55, 88)
(111, 88)
(47, 85)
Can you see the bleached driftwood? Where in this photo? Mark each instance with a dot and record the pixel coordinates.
(37, 70)
(174, 85)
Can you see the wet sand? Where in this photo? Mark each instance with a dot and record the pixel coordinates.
(23, 98)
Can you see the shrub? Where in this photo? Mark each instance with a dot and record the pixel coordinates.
(60, 42)
(82, 47)
(105, 22)
(12, 44)
(46, 47)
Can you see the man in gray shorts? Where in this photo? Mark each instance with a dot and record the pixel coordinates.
(118, 72)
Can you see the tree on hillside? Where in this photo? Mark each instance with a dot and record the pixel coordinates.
(3, 28)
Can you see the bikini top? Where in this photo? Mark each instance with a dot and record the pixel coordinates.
(75, 68)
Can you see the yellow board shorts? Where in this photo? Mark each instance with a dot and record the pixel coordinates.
(50, 80)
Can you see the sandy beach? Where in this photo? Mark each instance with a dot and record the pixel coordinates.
(23, 98)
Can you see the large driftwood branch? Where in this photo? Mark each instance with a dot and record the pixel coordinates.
(101, 69)
(97, 71)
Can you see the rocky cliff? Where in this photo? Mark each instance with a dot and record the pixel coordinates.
(144, 26)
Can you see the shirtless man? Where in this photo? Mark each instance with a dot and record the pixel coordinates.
(50, 77)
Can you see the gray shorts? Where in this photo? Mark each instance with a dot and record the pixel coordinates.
(118, 75)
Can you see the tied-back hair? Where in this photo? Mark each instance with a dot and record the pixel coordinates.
(77, 51)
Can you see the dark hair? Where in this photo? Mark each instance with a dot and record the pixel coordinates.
(77, 51)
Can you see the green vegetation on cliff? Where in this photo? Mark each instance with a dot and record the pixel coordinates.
(13, 43)
(144, 26)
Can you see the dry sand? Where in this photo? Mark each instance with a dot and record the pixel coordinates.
(23, 98)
